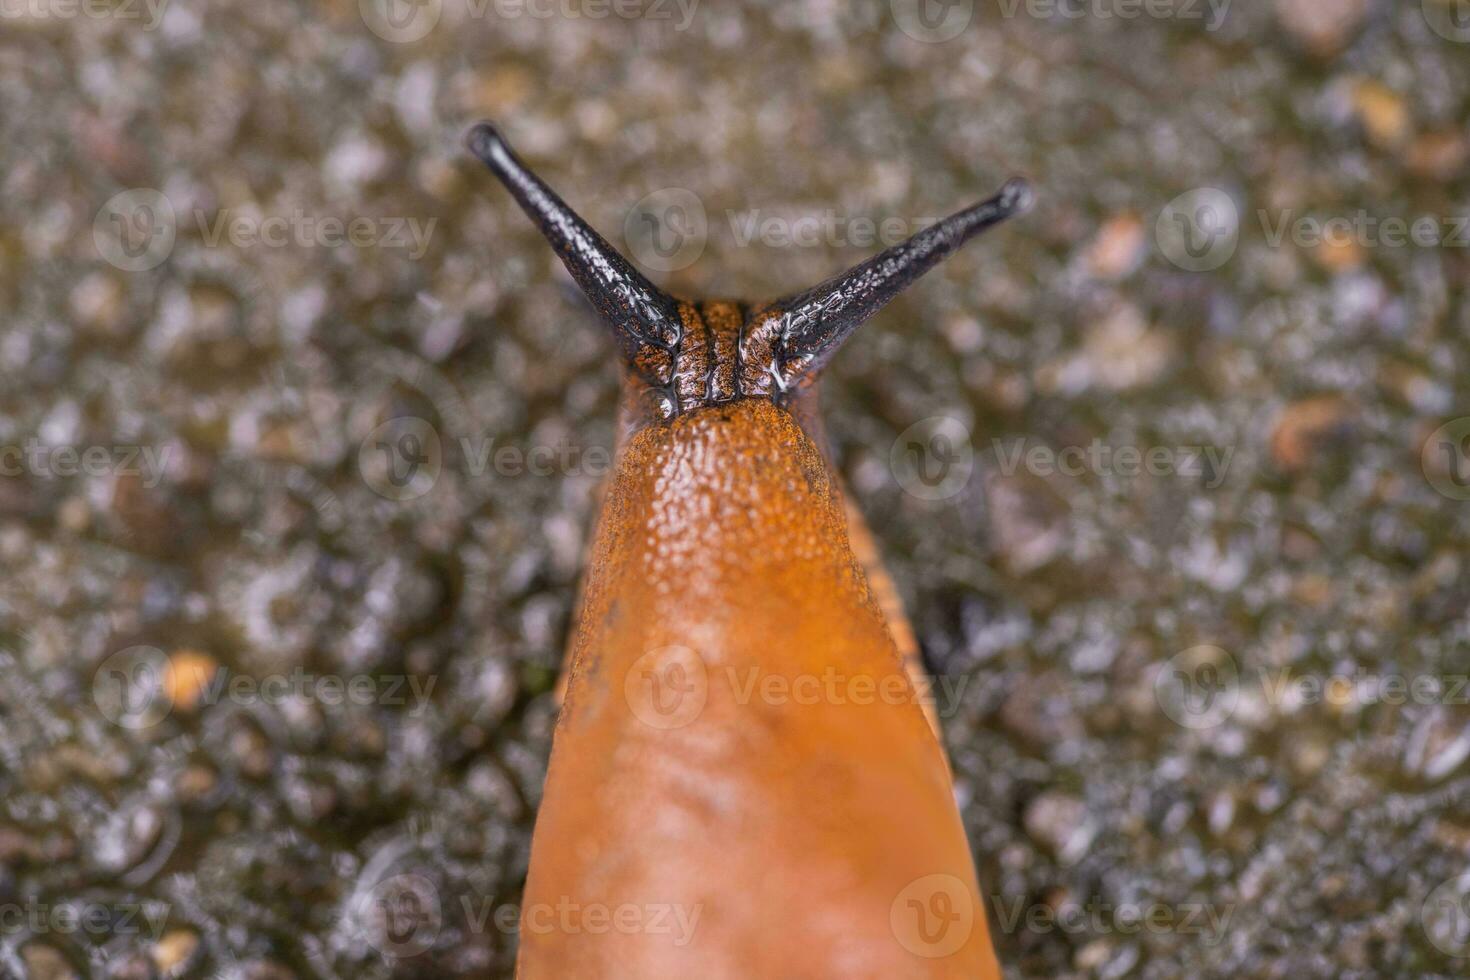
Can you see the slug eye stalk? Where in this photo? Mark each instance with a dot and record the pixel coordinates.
(640, 314)
(809, 327)
(780, 344)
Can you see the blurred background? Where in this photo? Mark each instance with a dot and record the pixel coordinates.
(301, 425)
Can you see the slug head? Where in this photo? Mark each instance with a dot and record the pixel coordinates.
(684, 356)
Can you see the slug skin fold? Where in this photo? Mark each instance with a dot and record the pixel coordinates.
(743, 779)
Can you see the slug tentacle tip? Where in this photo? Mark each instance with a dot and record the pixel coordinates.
(644, 320)
(1017, 196)
(793, 337)
(482, 139)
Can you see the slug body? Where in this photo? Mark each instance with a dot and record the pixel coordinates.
(743, 779)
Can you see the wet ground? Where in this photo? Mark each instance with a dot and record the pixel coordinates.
(1185, 545)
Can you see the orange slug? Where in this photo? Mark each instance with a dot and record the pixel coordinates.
(743, 779)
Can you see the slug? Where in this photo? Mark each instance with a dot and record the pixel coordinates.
(743, 780)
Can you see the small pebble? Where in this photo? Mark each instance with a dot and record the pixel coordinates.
(1060, 822)
(188, 676)
(174, 951)
(1382, 112)
(1303, 426)
(1323, 27)
(1118, 247)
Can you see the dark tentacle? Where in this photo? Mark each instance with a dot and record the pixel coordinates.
(796, 335)
(640, 314)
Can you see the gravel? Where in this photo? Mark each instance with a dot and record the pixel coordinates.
(271, 708)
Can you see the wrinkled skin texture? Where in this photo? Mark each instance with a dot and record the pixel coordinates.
(755, 830)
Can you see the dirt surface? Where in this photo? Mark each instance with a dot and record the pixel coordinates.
(1161, 470)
